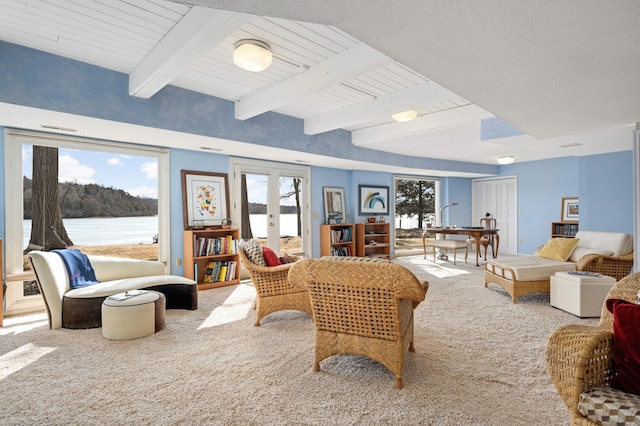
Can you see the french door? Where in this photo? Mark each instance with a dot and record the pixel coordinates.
(270, 202)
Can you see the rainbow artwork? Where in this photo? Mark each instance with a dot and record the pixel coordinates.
(374, 199)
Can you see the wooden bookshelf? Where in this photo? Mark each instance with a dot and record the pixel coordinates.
(201, 249)
(564, 229)
(337, 240)
(373, 240)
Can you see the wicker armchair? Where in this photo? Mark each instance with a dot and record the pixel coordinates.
(617, 267)
(273, 290)
(579, 356)
(361, 307)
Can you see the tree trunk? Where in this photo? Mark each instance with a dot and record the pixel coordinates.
(245, 224)
(47, 229)
(296, 187)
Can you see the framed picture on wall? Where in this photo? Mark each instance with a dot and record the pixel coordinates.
(334, 207)
(570, 209)
(373, 200)
(205, 199)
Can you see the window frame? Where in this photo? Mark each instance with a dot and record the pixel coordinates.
(15, 301)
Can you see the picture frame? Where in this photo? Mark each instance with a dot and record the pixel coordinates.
(570, 209)
(334, 205)
(205, 199)
(373, 200)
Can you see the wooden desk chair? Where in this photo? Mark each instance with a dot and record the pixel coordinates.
(427, 241)
(486, 240)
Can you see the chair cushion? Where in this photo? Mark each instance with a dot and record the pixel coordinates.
(580, 251)
(530, 268)
(253, 251)
(608, 406)
(626, 345)
(270, 257)
(558, 248)
(286, 258)
(619, 243)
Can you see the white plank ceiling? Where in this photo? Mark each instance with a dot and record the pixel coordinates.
(320, 74)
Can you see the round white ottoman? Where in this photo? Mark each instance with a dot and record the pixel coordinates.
(133, 317)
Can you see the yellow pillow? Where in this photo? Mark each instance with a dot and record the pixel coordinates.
(558, 248)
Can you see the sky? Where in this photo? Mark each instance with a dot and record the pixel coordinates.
(257, 189)
(134, 174)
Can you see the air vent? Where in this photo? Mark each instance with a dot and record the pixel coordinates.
(570, 145)
(58, 128)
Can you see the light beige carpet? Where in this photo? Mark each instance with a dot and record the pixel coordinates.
(479, 360)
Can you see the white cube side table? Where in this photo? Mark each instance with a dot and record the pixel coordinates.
(580, 295)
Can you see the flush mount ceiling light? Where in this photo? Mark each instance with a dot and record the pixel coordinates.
(506, 159)
(405, 116)
(252, 55)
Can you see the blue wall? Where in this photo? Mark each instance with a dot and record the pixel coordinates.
(40, 80)
(606, 192)
(603, 183)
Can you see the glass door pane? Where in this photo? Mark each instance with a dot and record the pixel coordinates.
(253, 207)
(291, 217)
(270, 205)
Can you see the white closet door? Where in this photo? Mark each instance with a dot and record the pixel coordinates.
(498, 196)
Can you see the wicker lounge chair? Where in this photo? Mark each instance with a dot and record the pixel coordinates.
(361, 307)
(522, 275)
(273, 290)
(579, 358)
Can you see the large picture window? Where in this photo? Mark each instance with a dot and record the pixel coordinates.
(100, 197)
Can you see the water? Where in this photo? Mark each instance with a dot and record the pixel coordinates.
(288, 225)
(98, 231)
(102, 231)
(141, 230)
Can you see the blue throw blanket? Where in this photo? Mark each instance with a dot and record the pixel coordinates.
(79, 268)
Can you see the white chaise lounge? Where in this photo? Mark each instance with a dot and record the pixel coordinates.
(81, 307)
(608, 253)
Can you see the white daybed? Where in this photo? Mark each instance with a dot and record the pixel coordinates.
(608, 253)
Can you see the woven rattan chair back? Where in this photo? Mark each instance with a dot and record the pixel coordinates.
(274, 292)
(361, 307)
(579, 356)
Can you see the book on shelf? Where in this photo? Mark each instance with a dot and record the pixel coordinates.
(209, 272)
(215, 246)
(231, 271)
(341, 235)
(222, 276)
(341, 251)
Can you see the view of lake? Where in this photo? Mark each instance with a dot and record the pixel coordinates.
(141, 230)
(97, 231)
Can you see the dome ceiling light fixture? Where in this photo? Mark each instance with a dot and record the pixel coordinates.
(404, 116)
(252, 55)
(506, 159)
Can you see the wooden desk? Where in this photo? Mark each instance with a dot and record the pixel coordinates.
(476, 234)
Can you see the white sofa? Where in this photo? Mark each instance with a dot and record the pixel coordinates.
(608, 253)
(81, 307)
